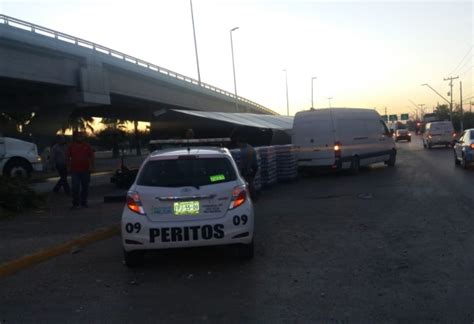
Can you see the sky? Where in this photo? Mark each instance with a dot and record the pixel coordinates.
(372, 54)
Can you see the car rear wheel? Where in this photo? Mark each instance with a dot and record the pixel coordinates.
(463, 162)
(392, 160)
(456, 160)
(245, 251)
(133, 258)
(429, 145)
(17, 168)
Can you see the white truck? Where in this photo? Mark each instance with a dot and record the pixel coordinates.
(18, 158)
(342, 138)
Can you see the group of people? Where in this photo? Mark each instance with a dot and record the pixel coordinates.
(76, 159)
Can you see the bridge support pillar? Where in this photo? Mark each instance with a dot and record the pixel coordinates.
(94, 84)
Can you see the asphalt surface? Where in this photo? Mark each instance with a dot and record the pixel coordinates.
(386, 245)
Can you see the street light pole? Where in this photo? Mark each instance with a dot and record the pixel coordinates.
(329, 99)
(287, 101)
(233, 68)
(195, 43)
(312, 79)
(449, 103)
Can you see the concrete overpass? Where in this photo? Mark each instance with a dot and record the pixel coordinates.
(54, 74)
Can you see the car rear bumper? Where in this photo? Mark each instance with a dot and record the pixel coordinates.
(148, 235)
(406, 138)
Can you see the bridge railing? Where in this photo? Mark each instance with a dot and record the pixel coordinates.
(24, 25)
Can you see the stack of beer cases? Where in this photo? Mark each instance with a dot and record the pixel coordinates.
(257, 183)
(287, 167)
(268, 165)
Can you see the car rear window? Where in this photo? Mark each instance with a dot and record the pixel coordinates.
(472, 135)
(186, 172)
(441, 126)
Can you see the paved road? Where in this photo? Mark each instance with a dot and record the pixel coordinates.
(387, 245)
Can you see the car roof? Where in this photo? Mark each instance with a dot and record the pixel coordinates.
(196, 150)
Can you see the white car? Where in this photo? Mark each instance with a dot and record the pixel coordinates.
(187, 197)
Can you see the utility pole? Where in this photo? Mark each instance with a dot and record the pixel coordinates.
(460, 102)
(450, 79)
(422, 109)
(287, 101)
(312, 79)
(233, 68)
(195, 43)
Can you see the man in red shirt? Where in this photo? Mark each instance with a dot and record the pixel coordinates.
(80, 158)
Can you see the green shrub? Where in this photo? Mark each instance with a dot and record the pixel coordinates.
(16, 196)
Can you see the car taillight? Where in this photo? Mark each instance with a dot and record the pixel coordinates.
(454, 134)
(471, 146)
(134, 203)
(239, 196)
(337, 150)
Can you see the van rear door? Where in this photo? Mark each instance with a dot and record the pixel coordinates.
(314, 141)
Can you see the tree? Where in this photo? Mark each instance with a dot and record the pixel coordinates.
(19, 119)
(78, 123)
(442, 112)
(114, 125)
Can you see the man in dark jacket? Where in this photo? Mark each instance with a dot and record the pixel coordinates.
(58, 161)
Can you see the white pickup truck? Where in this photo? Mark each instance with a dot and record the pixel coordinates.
(18, 158)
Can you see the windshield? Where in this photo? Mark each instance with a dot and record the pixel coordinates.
(186, 172)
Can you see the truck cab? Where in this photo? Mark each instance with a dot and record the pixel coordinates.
(18, 158)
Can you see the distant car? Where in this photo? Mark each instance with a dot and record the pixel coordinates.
(438, 133)
(464, 149)
(402, 135)
(187, 197)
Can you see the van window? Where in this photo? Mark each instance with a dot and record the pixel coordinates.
(354, 128)
(383, 128)
(472, 135)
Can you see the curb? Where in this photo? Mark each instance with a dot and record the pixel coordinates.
(26, 261)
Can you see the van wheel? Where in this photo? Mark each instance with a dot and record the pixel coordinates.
(392, 160)
(355, 165)
(133, 259)
(17, 168)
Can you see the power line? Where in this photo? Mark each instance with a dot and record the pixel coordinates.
(463, 73)
(469, 51)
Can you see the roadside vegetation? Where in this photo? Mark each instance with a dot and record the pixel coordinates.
(16, 196)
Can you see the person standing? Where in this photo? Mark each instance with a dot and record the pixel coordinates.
(248, 164)
(80, 158)
(58, 161)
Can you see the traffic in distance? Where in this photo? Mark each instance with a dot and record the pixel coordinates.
(194, 195)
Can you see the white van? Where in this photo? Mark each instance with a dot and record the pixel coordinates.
(342, 138)
(18, 158)
(438, 133)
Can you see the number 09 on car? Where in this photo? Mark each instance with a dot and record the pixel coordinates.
(187, 198)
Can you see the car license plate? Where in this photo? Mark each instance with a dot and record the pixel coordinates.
(186, 208)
